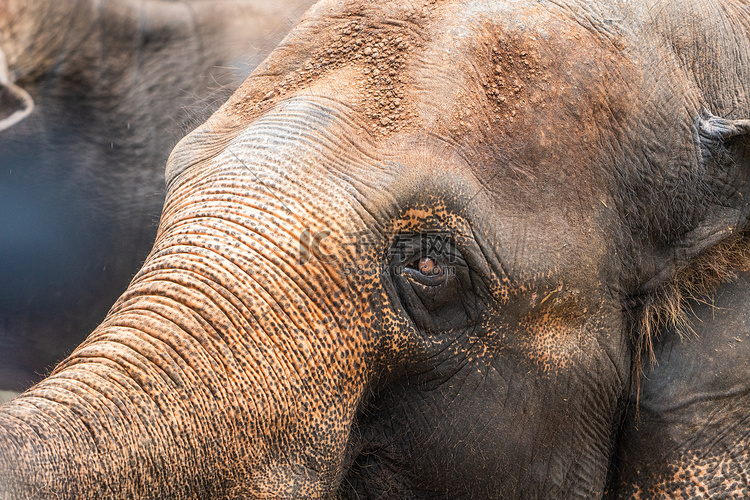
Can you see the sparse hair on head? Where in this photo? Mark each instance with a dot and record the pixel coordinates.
(668, 307)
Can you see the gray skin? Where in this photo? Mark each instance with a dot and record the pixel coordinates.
(405, 260)
(93, 98)
(689, 436)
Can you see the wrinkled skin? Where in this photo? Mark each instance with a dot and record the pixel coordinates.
(289, 337)
(94, 97)
(688, 437)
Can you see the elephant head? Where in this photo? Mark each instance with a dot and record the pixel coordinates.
(415, 255)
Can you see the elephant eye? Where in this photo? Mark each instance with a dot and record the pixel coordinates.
(427, 270)
(432, 281)
(428, 267)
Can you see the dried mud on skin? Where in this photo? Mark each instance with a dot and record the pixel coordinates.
(379, 53)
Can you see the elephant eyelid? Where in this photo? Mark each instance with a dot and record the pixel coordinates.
(409, 248)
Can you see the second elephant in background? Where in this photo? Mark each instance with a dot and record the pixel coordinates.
(114, 85)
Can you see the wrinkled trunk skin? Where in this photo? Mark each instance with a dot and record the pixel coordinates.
(228, 369)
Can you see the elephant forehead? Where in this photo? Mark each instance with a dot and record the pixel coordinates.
(431, 64)
(524, 83)
(529, 97)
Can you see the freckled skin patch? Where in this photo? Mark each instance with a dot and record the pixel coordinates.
(699, 475)
(552, 329)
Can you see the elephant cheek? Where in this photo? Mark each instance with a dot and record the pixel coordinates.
(576, 359)
(573, 335)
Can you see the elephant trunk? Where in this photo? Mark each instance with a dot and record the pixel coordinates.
(233, 364)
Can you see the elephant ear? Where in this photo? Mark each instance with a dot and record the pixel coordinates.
(15, 103)
(724, 149)
(717, 246)
(725, 146)
(723, 140)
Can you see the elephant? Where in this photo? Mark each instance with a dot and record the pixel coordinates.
(93, 96)
(687, 436)
(421, 252)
